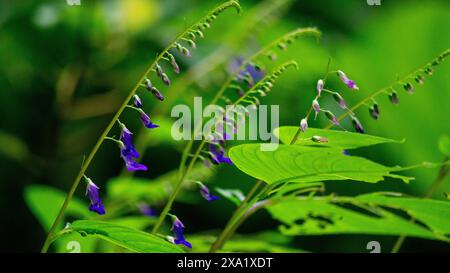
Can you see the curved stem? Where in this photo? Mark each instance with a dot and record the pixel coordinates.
(105, 133)
(227, 230)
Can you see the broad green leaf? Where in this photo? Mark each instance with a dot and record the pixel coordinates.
(336, 139)
(128, 238)
(444, 145)
(434, 213)
(153, 191)
(324, 215)
(293, 163)
(45, 203)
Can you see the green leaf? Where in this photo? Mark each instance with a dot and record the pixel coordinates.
(45, 203)
(444, 145)
(328, 215)
(294, 163)
(336, 139)
(129, 238)
(434, 213)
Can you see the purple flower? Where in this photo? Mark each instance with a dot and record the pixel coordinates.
(147, 122)
(137, 101)
(128, 151)
(146, 210)
(218, 155)
(350, 83)
(357, 125)
(177, 228)
(256, 74)
(128, 148)
(304, 125)
(316, 107)
(133, 165)
(340, 100)
(92, 192)
(319, 87)
(204, 191)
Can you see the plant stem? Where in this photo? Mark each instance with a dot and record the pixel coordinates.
(105, 133)
(227, 230)
(443, 171)
(168, 206)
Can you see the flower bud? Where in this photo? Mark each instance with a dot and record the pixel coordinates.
(304, 125)
(165, 79)
(393, 97)
(319, 87)
(419, 79)
(374, 111)
(137, 101)
(340, 100)
(331, 117)
(319, 139)
(409, 88)
(357, 125)
(316, 107)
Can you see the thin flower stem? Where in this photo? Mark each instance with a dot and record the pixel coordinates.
(174, 194)
(443, 172)
(228, 228)
(183, 174)
(105, 133)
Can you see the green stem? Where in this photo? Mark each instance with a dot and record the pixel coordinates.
(105, 133)
(228, 228)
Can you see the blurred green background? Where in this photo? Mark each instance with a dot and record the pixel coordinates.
(64, 70)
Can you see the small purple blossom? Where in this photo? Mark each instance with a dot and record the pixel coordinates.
(204, 191)
(316, 107)
(128, 148)
(357, 124)
(304, 125)
(319, 87)
(146, 210)
(137, 101)
(147, 122)
(132, 165)
(254, 72)
(128, 151)
(92, 192)
(178, 228)
(350, 83)
(218, 155)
